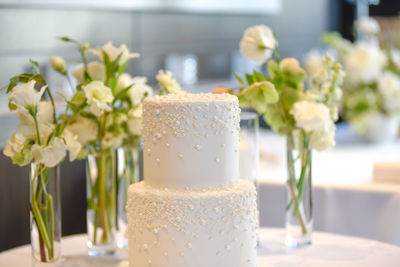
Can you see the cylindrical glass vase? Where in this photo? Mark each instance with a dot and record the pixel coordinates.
(101, 202)
(45, 214)
(128, 164)
(299, 222)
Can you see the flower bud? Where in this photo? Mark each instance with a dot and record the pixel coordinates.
(58, 64)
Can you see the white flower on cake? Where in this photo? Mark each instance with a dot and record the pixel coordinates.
(139, 90)
(258, 44)
(168, 83)
(324, 138)
(95, 69)
(25, 96)
(310, 116)
(85, 129)
(368, 25)
(59, 64)
(50, 155)
(364, 62)
(114, 52)
(71, 144)
(314, 62)
(14, 144)
(99, 97)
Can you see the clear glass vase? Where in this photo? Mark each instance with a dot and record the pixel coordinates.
(128, 160)
(101, 202)
(45, 214)
(299, 221)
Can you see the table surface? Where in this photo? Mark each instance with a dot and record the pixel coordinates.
(326, 250)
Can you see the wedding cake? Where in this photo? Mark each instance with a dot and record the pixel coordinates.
(192, 210)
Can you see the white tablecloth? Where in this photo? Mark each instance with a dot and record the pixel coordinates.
(346, 200)
(326, 250)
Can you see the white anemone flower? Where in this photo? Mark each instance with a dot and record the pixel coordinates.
(99, 97)
(258, 44)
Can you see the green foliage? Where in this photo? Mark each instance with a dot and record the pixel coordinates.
(34, 66)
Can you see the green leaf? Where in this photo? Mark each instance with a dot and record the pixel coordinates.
(34, 66)
(273, 69)
(269, 92)
(258, 77)
(239, 79)
(249, 79)
(273, 118)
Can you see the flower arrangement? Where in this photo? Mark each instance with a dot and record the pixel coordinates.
(372, 83)
(305, 116)
(43, 140)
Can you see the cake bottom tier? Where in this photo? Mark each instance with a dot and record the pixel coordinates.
(209, 228)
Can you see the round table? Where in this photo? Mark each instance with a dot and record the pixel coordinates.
(326, 250)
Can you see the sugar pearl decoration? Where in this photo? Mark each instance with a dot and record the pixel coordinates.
(197, 147)
(188, 245)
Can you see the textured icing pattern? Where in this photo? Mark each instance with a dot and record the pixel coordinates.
(186, 228)
(184, 135)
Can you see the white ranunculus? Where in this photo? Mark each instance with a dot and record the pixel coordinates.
(50, 155)
(314, 62)
(124, 80)
(85, 129)
(25, 96)
(168, 82)
(14, 144)
(324, 138)
(310, 116)
(135, 121)
(395, 57)
(95, 69)
(99, 97)
(364, 62)
(58, 64)
(113, 52)
(367, 25)
(139, 89)
(71, 144)
(257, 44)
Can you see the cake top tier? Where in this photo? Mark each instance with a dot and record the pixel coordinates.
(190, 140)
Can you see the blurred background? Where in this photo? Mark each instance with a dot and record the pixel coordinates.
(196, 40)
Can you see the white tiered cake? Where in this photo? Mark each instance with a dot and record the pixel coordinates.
(192, 209)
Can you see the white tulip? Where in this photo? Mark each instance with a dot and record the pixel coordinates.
(14, 144)
(139, 90)
(135, 121)
(50, 155)
(364, 62)
(168, 82)
(71, 144)
(113, 52)
(310, 116)
(258, 44)
(95, 69)
(85, 129)
(367, 25)
(25, 96)
(99, 97)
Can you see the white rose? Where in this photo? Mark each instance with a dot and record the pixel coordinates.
(50, 155)
(25, 96)
(367, 25)
(168, 82)
(139, 90)
(314, 62)
(135, 121)
(364, 62)
(58, 64)
(14, 144)
(257, 44)
(310, 116)
(95, 69)
(85, 129)
(71, 144)
(113, 52)
(324, 138)
(99, 97)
